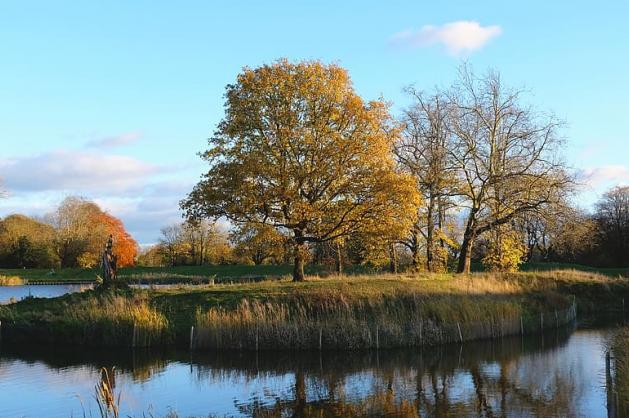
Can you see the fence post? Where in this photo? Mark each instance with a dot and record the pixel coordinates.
(521, 326)
(191, 337)
(320, 332)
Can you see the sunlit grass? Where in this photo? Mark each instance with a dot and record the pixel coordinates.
(11, 281)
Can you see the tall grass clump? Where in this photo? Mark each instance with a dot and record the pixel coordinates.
(118, 320)
(11, 281)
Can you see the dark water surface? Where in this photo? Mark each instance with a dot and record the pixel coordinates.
(561, 374)
(16, 293)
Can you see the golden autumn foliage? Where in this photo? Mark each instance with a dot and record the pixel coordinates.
(300, 151)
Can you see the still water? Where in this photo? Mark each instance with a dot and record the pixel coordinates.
(16, 293)
(561, 374)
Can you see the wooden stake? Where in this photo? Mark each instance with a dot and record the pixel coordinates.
(460, 335)
(320, 334)
(521, 326)
(191, 337)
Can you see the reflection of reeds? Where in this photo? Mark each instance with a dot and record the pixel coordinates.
(118, 320)
(11, 281)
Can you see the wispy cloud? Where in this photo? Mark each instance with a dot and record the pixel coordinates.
(115, 141)
(74, 171)
(461, 37)
(606, 176)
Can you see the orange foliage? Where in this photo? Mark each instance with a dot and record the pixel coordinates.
(125, 247)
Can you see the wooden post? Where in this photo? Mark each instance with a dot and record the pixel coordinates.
(460, 335)
(377, 339)
(541, 320)
(556, 319)
(521, 326)
(320, 334)
(191, 337)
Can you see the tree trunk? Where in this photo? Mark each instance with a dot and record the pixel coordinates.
(392, 259)
(430, 228)
(339, 259)
(465, 256)
(300, 251)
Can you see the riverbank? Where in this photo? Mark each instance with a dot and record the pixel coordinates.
(241, 273)
(351, 312)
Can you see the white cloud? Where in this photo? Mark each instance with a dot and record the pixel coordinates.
(115, 141)
(461, 37)
(74, 171)
(606, 176)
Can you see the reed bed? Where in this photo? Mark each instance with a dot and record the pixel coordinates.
(340, 319)
(118, 320)
(11, 281)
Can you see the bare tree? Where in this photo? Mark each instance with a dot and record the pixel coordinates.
(424, 151)
(506, 154)
(612, 215)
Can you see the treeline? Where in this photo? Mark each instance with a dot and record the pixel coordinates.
(73, 235)
(201, 242)
(468, 172)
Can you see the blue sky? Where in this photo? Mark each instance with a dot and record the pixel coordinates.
(113, 100)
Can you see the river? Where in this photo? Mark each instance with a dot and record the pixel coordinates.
(561, 374)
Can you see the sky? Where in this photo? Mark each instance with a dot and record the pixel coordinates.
(113, 100)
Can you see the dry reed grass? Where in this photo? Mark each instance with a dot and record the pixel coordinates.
(360, 312)
(11, 281)
(118, 320)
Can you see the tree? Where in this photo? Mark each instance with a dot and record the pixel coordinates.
(612, 216)
(258, 243)
(81, 230)
(300, 151)
(75, 230)
(125, 247)
(506, 155)
(424, 151)
(26, 243)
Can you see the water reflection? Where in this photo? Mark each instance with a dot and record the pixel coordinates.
(560, 374)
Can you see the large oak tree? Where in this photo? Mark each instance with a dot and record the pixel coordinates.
(299, 150)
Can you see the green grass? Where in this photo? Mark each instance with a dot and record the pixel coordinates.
(201, 274)
(177, 274)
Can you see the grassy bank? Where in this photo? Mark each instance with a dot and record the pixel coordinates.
(335, 312)
(235, 273)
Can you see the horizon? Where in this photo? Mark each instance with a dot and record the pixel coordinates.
(113, 101)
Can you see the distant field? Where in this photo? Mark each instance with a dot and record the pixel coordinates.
(218, 272)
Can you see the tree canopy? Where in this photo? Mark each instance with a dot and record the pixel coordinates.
(299, 150)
